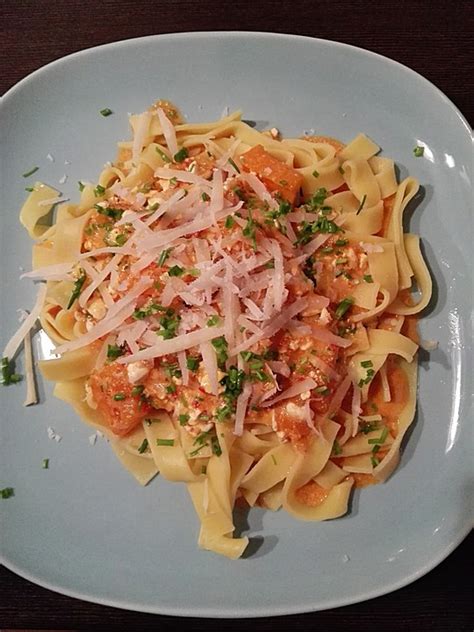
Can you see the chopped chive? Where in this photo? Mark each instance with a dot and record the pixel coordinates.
(76, 289)
(216, 448)
(322, 390)
(162, 154)
(164, 256)
(183, 419)
(7, 492)
(203, 469)
(213, 321)
(8, 372)
(368, 278)
(81, 186)
(342, 242)
(418, 151)
(192, 363)
(29, 189)
(106, 112)
(327, 250)
(343, 307)
(341, 261)
(341, 170)
(205, 197)
(118, 397)
(361, 205)
(45, 464)
(114, 351)
(366, 364)
(30, 172)
(137, 390)
(229, 221)
(274, 459)
(336, 448)
(173, 181)
(374, 460)
(99, 190)
(143, 446)
(315, 174)
(176, 271)
(181, 155)
(165, 442)
(171, 388)
(234, 165)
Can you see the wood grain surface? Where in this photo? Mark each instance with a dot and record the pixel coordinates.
(435, 39)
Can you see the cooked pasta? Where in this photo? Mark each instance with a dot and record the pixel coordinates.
(233, 311)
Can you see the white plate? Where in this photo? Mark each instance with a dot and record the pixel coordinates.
(84, 527)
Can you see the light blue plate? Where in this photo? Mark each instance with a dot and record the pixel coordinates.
(84, 527)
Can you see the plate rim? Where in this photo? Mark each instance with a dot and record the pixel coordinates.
(263, 611)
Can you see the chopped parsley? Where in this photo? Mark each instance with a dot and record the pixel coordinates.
(343, 307)
(30, 172)
(181, 155)
(143, 446)
(7, 492)
(8, 373)
(106, 112)
(418, 151)
(77, 289)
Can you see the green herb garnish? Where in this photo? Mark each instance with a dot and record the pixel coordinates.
(213, 321)
(220, 345)
(8, 372)
(45, 464)
(77, 289)
(231, 162)
(143, 446)
(368, 278)
(418, 151)
(165, 442)
(7, 492)
(30, 172)
(343, 307)
(229, 222)
(176, 271)
(192, 363)
(106, 112)
(114, 351)
(99, 190)
(162, 155)
(119, 397)
(181, 155)
(361, 205)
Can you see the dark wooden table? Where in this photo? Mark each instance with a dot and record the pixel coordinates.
(434, 38)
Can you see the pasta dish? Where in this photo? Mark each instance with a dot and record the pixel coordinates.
(234, 310)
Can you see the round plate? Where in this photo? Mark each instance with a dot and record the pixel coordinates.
(84, 527)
